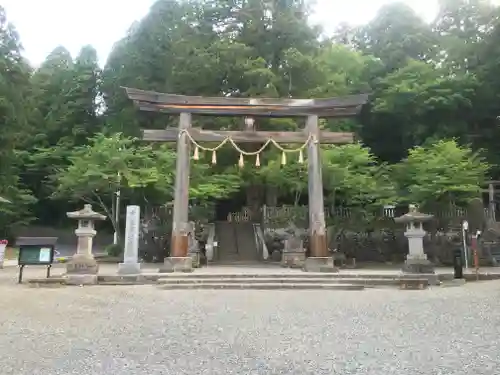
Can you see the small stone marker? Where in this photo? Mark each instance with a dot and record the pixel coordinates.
(130, 263)
(294, 253)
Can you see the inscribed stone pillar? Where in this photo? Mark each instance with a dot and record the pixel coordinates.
(130, 263)
(320, 259)
(179, 259)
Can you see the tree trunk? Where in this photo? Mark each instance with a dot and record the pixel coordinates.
(254, 200)
(271, 196)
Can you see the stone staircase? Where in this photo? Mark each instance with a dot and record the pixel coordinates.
(236, 243)
(245, 240)
(227, 250)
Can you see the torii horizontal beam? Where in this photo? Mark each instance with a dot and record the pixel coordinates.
(199, 135)
(249, 110)
(270, 107)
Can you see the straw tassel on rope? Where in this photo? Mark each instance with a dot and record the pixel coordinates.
(214, 157)
(196, 155)
(301, 156)
(257, 161)
(283, 158)
(241, 162)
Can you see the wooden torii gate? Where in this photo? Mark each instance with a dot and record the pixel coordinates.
(311, 109)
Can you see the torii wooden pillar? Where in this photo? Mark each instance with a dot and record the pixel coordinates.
(311, 109)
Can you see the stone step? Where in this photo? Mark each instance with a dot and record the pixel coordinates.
(276, 280)
(262, 282)
(258, 286)
(126, 283)
(136, 279)
(294, 275)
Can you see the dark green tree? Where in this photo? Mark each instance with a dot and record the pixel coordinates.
(14, 112)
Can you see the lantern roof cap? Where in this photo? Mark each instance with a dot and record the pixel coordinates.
(86, 213)
(413, 216)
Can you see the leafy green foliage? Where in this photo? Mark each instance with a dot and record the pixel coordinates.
(107, 165)
(396, 35)
(418, 102)
(355, 179)
(206, 182)
(14, 114)
(441, 173)
(114, 250)
(19, 211)
(462, 26)
(291, 177)
(207, 185)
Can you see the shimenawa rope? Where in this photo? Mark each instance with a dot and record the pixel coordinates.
(196, 155)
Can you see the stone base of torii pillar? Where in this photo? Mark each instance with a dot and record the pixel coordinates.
(179, 259)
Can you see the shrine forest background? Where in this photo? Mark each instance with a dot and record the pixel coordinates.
(428, 135)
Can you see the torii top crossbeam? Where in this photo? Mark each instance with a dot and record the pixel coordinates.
(225, 106)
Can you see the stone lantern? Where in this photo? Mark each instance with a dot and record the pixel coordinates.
(82, 268)
(416, 260)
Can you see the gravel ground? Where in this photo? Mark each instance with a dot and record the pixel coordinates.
(143, 330)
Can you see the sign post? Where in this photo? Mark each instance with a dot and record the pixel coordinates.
(475, 253)
(458, 269)
(465, 228)
(35, 251)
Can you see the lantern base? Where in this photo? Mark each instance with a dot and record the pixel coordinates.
(418, 266)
